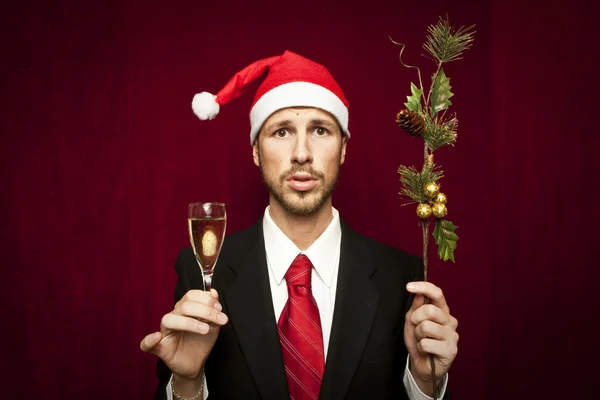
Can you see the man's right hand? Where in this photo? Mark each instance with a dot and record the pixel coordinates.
(188, 333)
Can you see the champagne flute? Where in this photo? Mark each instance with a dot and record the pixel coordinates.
(206, 226)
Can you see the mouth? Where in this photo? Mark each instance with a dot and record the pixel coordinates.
(302, 181)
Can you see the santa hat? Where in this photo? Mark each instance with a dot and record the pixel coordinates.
(291, 81)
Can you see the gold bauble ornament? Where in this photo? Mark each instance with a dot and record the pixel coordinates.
(439, 210)
(424, 210)
(441, 198)
(432, 189)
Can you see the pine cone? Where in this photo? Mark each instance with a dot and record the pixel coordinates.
(411, 122)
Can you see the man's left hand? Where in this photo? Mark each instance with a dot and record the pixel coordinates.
(429, 331)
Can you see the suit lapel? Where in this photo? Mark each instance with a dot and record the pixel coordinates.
(355, 308)
(250, 306)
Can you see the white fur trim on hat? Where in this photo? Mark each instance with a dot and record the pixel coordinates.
(205, 105)
(297, 94)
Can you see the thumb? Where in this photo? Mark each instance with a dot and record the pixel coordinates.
(151, 343)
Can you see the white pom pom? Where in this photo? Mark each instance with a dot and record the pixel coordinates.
(205, 105)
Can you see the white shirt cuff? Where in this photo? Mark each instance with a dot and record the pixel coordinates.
(414, 393)
(170, 388)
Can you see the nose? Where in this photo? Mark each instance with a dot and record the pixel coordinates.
(301, 153)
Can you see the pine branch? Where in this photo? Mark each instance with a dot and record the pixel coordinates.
(438, 134)
(446, 45)
(414, 182)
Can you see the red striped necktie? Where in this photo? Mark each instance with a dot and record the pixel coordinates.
(300, 333)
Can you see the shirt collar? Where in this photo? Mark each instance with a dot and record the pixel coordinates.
(323, 253)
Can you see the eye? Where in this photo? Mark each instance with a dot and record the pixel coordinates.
(281, 133)
(320, 131)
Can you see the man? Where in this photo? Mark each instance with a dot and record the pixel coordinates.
(304, 307)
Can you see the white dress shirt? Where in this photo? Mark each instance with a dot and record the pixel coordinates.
(324, 254)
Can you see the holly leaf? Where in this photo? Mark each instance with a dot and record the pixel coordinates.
(445, 238)
(440, 95)
(414, 100)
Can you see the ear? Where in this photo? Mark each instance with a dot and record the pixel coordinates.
(255, 154)
(343, 155)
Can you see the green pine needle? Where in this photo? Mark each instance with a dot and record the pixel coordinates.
(414, 182)
(446, 45)
(439, 134)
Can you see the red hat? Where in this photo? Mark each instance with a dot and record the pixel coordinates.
(292, 81)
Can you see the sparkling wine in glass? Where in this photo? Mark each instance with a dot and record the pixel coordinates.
(206, 226)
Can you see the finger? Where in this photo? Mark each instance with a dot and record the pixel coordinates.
(442, 349)
(200, 296)
(205, 312)
(433, 292)
(418, 301)
(431, 330)
(175, 322)
(430, 312)
(453, 323)
(215, 295)
(150, 341)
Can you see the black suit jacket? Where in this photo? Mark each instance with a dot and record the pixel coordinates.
(366, 356)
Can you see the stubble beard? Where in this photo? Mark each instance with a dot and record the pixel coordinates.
(296, 204)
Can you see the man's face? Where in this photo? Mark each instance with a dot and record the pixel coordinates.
(299, 152)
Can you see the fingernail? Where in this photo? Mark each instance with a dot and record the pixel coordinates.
(222, 317)
(411, 286)
(202, 327)
(218, 306)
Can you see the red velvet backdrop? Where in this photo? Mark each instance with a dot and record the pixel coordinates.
(100, 154)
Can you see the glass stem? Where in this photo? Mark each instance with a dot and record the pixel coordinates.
(207, 280)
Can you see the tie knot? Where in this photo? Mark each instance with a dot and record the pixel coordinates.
(299, 273)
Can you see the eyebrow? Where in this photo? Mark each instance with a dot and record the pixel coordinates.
(319, 121)
(278, 125)
(287, 122)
